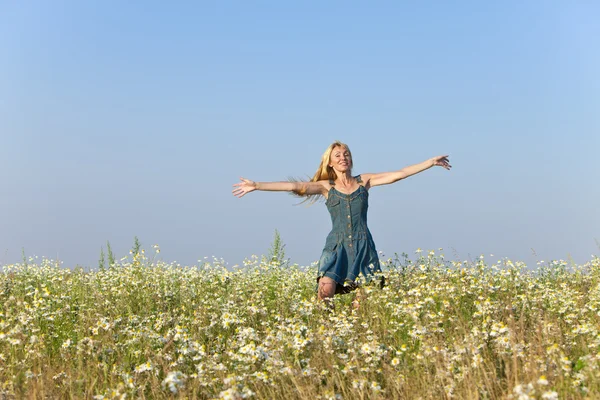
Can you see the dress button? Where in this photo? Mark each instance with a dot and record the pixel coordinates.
(349, 236)
(350, 245)
(348, 215)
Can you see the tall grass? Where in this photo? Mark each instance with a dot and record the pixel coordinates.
(439, 329)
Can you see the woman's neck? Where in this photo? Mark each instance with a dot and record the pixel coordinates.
(345, 178)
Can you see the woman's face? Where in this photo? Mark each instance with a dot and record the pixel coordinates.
(340, 159)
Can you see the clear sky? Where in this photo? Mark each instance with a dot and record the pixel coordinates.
(122, 119)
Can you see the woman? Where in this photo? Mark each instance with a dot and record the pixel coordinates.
(349, 249)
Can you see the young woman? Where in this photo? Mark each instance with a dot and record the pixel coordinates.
(349, 249)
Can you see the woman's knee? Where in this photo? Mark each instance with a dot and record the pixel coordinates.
(326, 287)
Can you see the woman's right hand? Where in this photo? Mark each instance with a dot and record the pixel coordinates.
(243, 187)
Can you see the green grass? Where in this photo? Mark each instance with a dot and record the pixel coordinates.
(147, 329)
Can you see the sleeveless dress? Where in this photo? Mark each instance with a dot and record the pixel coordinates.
(349, 251)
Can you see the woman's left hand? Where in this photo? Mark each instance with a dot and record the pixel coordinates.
(441, 161)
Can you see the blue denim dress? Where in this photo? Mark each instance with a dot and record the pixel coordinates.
(349, 249)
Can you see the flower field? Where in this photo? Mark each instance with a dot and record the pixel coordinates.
(439, 329)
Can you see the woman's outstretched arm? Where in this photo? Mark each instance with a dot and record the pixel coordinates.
(385, 178)
(247, 186)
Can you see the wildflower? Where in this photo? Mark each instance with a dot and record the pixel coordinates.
(229, 394)
(366, 349)
(449, 389)
(300, 342)
(552, 349)
(550, 395)
(375, 387)
(236, 393)
(128, 380)
(66, 344)
(542, 381)
(332, 396)
(174, 381)
(262, 376)
(358, 383)
(477, 360)
(147, 366)
(504, 342)
(395, 361)
(524, 392)
(60, 376)
(566, 364)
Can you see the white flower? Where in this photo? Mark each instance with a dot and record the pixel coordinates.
(59, 376)
(233, 394)
(550, 395)
(147, 366)
(376, 387)
(542, 381)
(358, 384)
(229, 394)
(174, 381)
(523, 392)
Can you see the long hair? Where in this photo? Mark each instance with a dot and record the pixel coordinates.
(324, 172)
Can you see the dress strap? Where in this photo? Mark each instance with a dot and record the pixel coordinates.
(332, 182)
(358, 179)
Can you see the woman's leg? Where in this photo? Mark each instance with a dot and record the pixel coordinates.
(326, 289)
(361, 295)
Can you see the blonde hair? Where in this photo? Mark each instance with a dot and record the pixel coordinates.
(324, 172)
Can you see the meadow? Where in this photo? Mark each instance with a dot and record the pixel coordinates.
(439, 329)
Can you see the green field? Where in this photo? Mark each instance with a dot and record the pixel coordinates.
(439, 329)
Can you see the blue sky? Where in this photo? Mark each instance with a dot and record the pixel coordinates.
(120, 120)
